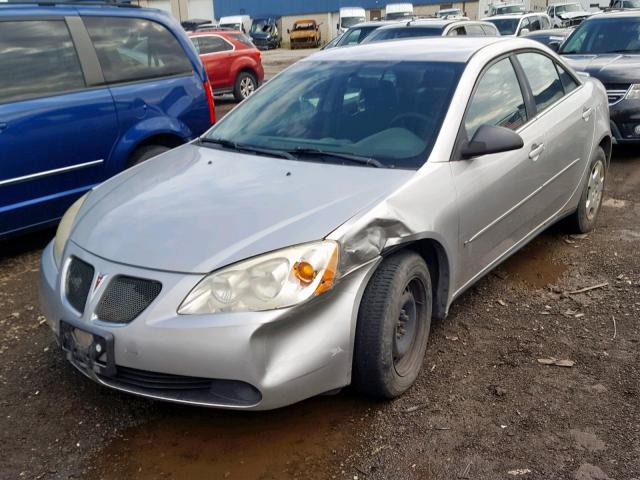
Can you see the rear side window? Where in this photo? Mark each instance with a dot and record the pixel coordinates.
(568, 82)
(37, 58)
(132, 49)
(497, 101)
(210, 44)
(543, 79)
(475, 30)
(243, 39)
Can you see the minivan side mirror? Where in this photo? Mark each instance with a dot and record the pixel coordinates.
(554, 45)
(491, 139)
(524, 31)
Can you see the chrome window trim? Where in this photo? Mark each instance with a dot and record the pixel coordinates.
(47, 173)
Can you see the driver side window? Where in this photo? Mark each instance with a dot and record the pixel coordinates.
(497, 100)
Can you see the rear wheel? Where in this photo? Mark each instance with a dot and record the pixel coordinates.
(145, 153)
(245, 85)
(393, 326)
(583, 220)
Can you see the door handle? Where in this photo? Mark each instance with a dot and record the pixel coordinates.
(586, 113)
(536, 150)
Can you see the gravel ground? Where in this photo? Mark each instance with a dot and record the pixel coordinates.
(484, 407)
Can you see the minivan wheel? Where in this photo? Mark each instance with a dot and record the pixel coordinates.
(393, 326)
(246, 84)
(583, 220)
(145, 153)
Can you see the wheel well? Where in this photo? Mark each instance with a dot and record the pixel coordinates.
(165, 139)
(248, 70)
(436, 259)
(606, 145)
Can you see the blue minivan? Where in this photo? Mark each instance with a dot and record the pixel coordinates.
(87, 91)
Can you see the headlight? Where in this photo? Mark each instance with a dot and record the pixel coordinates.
(64, 229)
(275, 280)
(634, 92)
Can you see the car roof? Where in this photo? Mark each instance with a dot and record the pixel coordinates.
(444, 49)
(373, 23)
(629, 12)
(427, 22)
(513, 15)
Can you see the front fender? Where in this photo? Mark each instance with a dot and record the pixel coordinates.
(143, 130)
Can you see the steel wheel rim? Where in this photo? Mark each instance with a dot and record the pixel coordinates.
(595, 188)
(246, 87)
(408, 327)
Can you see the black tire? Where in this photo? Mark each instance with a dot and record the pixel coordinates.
(583, 220)
(386, 360)
(245, 85)
(146, 152)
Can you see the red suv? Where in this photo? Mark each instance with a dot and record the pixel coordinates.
(232, 62)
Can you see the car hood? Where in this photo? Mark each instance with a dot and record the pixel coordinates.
(608, 68)
(196, 209)
(572, 15)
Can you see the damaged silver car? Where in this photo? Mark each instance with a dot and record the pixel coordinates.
(307, 240)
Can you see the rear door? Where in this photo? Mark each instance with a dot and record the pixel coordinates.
(217, 55)
(494, 191)
(564, 110)
(56, 134)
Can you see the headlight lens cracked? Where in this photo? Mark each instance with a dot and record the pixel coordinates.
(274, 280)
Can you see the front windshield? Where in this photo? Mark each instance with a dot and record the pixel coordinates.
(506, 26)
(449, 13)
(389, 111)
(304, 26)
(611, 35)
(631, 3)
(397, 15)
(260, 26)
(347, 22)
(510, 9)
(355, 36)
(403, 32)
(571, 7)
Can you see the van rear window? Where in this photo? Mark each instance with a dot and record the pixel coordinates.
(131, 49)
(243, 39)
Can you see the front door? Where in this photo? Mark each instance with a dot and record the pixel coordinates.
(494, 191)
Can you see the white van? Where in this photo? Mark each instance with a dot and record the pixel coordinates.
(236, 22)
(397, 11)
(349, 16)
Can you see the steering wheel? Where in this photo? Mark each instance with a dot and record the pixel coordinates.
(421, 122)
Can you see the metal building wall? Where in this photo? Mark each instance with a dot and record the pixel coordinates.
(297, 7)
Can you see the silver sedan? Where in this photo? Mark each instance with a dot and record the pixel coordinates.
(308, 239)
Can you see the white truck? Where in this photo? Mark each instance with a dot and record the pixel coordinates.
(568, 14)
(398, 11)
(349, 16)
(236, 22)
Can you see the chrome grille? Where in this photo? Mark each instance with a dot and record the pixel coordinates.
(126, 297)
(616, 93)
(78, 283)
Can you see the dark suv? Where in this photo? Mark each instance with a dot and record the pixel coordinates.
(607, 47)
(87, 90)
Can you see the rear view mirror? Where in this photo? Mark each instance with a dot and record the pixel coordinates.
(554, 45)
(491, 139)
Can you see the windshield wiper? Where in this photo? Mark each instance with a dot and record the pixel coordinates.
(370, 162)
(231, 145)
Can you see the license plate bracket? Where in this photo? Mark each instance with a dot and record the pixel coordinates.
(89, 348)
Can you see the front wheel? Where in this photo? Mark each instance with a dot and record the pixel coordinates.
(393, 326)
(583, 220)
(245, 85)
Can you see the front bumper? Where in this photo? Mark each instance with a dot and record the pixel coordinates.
(256, 360)
(625, 117)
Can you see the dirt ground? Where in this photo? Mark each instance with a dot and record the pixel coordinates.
(484, 407)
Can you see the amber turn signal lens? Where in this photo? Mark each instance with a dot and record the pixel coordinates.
(329, 276)
(304, 272)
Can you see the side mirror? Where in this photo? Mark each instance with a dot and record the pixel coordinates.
(524, 31)
(554, 45)
(491, 139)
